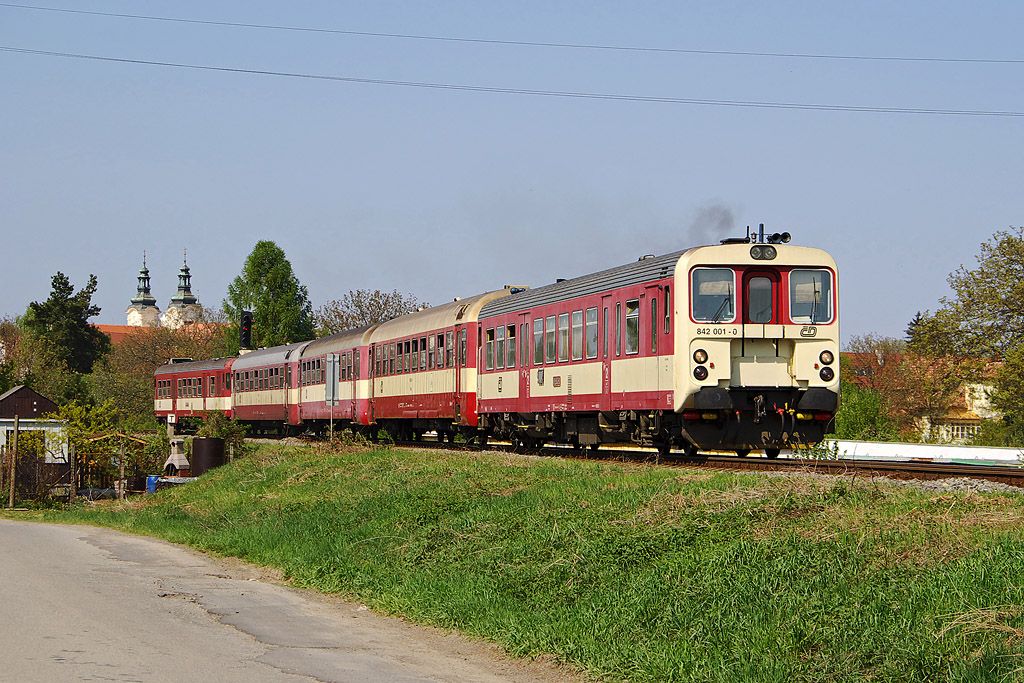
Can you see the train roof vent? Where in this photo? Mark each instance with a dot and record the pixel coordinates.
(645, 257)
(180, 360)
(559, 279)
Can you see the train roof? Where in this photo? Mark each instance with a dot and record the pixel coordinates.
(274, 355)
(193, 366)
(436, 318)
(340, 341)
(644, 270)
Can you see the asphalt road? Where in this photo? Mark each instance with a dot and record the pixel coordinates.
(85, 604)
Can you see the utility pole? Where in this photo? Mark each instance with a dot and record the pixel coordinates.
(73, 469)
(13, 455)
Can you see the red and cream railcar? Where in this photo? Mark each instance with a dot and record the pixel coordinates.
(263, 387)
(424, 367)
(729, 347)
(184, 390)
(352, 386)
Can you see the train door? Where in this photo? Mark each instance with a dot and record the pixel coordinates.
(607, 308)
(459, 353)
(761, 297)
(375, 374)
(525, 342)
(650, 338)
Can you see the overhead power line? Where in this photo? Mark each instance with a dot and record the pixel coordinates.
(751, 104)
(520, 43)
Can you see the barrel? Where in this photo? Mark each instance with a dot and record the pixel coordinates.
(151, 483)
(207, 453)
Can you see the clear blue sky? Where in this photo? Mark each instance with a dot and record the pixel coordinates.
(444, 193)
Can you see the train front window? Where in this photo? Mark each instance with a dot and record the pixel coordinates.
(759, 300)
(713, 293)
(810, 296)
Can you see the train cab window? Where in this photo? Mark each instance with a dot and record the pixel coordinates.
(654, 324)
(423, 353)
(489, 350)
(632, 326)
(577, 335)
(713, 292)
(592, 332)
(449, 349)
(760, 300)
(549, 339)
(563, 337)
(810, 296)
(510, 355)
(499, 348)
(618, 329)
(538, 341)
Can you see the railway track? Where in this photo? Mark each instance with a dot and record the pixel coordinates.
(906, 470)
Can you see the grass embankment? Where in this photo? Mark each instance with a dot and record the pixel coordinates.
(630, 572)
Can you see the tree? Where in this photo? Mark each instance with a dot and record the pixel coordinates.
(862, 416)
(62, 321)
(280, 304)
(363, 307)
(10, 334)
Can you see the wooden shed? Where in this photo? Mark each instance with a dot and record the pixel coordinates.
(25, 402)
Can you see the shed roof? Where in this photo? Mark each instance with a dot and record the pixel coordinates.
(620, 276)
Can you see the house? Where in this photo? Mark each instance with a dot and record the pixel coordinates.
(24, 402)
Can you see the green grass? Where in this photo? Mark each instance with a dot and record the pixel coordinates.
(630, 572)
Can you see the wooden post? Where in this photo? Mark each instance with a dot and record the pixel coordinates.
(13, 456)
(120, 467)
(73, 469)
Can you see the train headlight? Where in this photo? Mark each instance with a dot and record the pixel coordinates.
(826, 358)
(700, 356)
(763, 253)
(827, 374)
(755, 253)
(700, 373)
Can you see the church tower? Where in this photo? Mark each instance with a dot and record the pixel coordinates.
(143, 311)
(184, 307)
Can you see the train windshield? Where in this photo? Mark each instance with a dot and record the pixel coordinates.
(810, 296)
(713, 291)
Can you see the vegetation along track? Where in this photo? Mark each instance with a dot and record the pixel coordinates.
(912, 470)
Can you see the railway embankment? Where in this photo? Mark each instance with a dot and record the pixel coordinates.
(626, 571)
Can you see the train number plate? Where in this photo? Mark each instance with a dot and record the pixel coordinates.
(717, 331)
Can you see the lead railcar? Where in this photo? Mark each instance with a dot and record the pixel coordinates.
(723, 347)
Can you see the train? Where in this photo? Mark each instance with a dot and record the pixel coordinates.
(725, 347)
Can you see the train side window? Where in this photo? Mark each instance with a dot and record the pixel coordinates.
(577, 335)
(489, 350)
(462, 347)
(408, 362)
(524, 346)
(668, 310)
(538, 341)
(499, 349)
(439, 361)
(423, 353)
(510, 358)
(449, 349)
(415, 354)
(430, 352)
(355, 365)
(618, 328)
(654, 324)
(391, 359)
(605, 336)
(713, 295)
(632, 326)
(563, 337)
(549, 339)
(592, 332)
(212, 389)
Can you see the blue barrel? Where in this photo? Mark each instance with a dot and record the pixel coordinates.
(151, 483)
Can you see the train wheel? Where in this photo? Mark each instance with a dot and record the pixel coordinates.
(771, 453)
(690, 450)
(743, 452)
(595, 447)
(664, 449)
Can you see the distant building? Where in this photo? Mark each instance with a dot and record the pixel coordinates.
(25, 403)
(184, 307)
(143, 311)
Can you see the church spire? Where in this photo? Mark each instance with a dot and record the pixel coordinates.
(144, 296)
(184, 295)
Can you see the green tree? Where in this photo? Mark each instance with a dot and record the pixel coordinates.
(863, 417)
(62, 322)
(280, 303)
(362, 307)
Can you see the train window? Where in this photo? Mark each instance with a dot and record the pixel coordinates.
(760, 300)
(415, 354)
(632, 326)
(524, 346)
(563, 337)
(668, 311)
(211, 390)
(592, 332)
(713, 292)
(430, 353)
(407, 361)
(618, 328)
(449, 349)
(538, 341)
(499, 350)
(423, 353)
(355, 365)
(489, 350)
(439, 362)
(654, 324)
(391, 359)
(462, 348)
(577, 335)
(510, 356)
(810, 296)
(605, 331)
(549, 339)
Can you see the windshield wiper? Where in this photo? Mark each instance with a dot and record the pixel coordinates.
(721, 309)
(814, 302)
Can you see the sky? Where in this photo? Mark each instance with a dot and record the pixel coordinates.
(444, 193)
